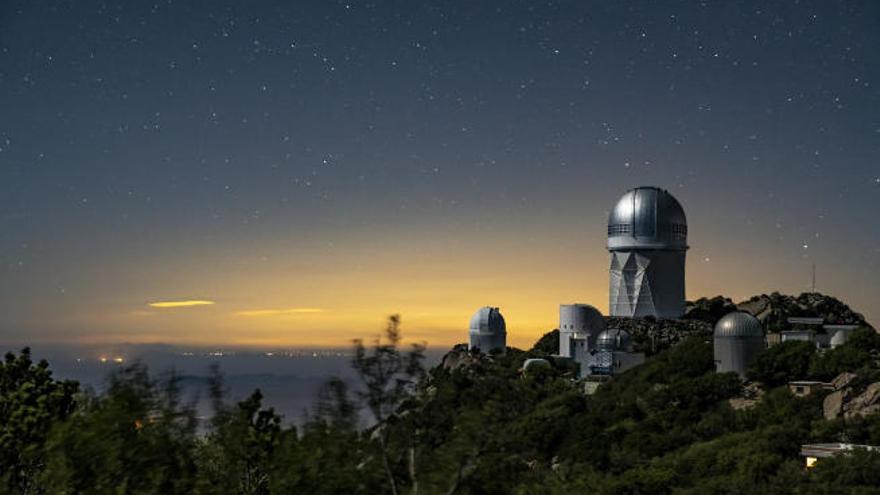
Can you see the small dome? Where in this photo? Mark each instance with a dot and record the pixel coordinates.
(581, 318)
(738, 324)
(536, 364)
(488, 321)
(647, 217)
(613, 339)
(840, 337)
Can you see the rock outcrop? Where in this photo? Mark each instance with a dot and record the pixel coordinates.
(842, 380)
(832, 406)
(709, 310)
(651, 336)
(459, 357)
(864, 404)
(848, 402)
(774, 309)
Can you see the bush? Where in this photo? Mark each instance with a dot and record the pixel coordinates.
(782, 363)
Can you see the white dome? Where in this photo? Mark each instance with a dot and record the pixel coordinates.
(487, 320)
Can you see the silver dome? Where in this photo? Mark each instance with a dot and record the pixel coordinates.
(535, 364)
(613, 339)
(488, 321)
(739, 325)
(647, 217)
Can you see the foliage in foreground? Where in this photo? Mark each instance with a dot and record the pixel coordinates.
(479, 427)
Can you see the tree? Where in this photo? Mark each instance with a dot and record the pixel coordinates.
(31, 402)
(330, 455)
(389, 376)
(335, 406)
(782, 363)
(548, 343)
(237, 456)
(136, 438)
(856, 353)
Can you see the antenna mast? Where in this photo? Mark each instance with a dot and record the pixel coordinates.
(813, 285)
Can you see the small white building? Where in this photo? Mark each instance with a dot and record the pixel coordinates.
(798, 335)
(839, 334)
(815, 451)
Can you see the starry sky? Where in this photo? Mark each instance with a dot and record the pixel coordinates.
(277, 173)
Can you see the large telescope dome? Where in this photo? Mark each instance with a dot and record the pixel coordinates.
(647, 218)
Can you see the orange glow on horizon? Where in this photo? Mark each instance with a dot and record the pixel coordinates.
(306, 295)
(280, 312)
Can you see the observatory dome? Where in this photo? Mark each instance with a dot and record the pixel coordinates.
(487, 321)
(739, 338)
(647, 217)
(739, 325)
(613, 339)
(536, 364)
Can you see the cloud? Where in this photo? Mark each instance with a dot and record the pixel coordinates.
(279, 312)
(180, 304)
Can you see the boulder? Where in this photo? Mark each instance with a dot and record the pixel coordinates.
(833, 404)
(842, 380)
(863, 404)
(866, 411)
(741, 403)
(460, 357)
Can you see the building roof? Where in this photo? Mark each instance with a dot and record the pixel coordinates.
(830, 449)
(805, 320)
(840, 327)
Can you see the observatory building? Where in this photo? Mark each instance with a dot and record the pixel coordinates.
(613, 354)
(598, 351)
(738, 339)
(579, 326)
(487, 331)
(647, 239)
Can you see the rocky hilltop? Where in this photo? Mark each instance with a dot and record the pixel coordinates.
(650, 335)
(773, 310)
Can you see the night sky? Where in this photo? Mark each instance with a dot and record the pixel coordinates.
(306, 168)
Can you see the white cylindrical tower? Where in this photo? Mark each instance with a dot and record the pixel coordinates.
(738, 339)
(488, 332)
(647, 239)
(578, 321)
